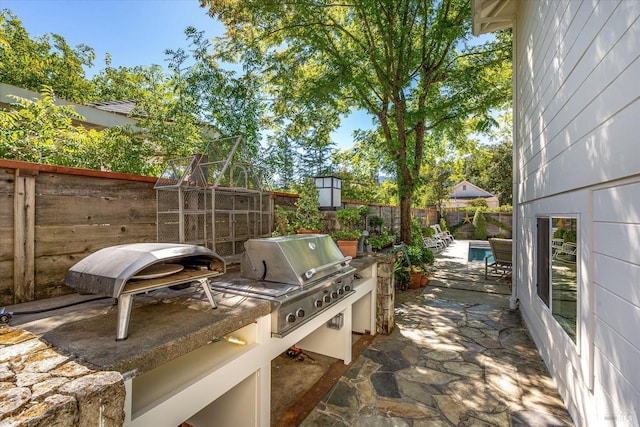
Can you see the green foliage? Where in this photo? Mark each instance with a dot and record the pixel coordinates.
(427, 256)
(282, 219)
(405, 63)
(570, 236)
(479, 226)
(490, 166)
(44, 61)
(415, 254)
(400, 274)
(479, 202)
(346, 235)
(379, 242)
(348, 217)
(376, 222)
(307, 214)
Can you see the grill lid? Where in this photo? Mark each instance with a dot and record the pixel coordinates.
(106, 271)
(296, 260)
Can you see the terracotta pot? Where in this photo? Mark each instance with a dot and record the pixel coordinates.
(424, 280)
(414, 279)
(306, 231)
(348, 247)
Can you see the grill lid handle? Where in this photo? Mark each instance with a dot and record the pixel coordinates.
(313, 271)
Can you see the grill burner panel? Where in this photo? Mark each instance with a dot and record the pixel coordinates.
(301, 275)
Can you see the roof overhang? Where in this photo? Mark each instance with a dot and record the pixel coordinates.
(492, 15)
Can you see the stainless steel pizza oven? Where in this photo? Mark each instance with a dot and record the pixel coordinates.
(126, 270)
(301, 275)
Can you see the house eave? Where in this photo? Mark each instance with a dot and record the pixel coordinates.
(492, 15)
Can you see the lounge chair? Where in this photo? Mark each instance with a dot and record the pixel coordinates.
(434, 244)
(446, 237)
(501, 251)
(568, 251)
(556, 246)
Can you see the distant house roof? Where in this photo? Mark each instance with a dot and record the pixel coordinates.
(94, 117)
(466, 190)
(120, 107)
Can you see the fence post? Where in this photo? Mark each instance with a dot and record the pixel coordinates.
(24, 218)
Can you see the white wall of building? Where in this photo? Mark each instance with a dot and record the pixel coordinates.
(577, 153)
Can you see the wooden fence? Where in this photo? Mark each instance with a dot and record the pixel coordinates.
(51, 217)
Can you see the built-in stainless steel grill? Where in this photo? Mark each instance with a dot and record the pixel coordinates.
(126, 270)
(301, 275)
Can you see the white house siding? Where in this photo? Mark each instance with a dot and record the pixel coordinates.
(577, 144)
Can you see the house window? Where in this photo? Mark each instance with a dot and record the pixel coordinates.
(557, 278)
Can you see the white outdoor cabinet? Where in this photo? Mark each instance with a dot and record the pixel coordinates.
(229, 384)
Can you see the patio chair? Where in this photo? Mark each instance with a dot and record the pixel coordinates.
(567, 252)
(502, 259)
(439, 234)
(556, 246)
(433, 244)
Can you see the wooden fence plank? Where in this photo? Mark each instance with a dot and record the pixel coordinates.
(24, 237)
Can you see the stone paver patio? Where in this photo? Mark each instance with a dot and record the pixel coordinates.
(457, 357)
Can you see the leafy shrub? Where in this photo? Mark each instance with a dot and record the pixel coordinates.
(479, 226)
(427, 255)
(415, 254)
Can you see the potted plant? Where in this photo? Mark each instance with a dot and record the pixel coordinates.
(307, 217)
(427, 260)
(415, 270)
(347, 237)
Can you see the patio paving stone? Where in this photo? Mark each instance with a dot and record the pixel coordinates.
(457, 357)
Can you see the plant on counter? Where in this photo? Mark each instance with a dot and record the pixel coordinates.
(379, 242)
(345, 235)
(307, 215)
(348, 218)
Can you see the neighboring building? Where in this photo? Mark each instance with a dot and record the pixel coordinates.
(464, 192)
(97, 116)
(577, 177)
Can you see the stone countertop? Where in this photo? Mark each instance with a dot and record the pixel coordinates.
(164, 325)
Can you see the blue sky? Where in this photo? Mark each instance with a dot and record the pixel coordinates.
(135, 32)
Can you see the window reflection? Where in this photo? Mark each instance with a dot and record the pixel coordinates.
(564, 278)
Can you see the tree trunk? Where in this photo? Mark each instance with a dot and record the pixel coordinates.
(405, 217)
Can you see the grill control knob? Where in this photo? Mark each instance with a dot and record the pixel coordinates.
(291, 317)
(347, 288)
(300, 312)
(327, 298)
(318, 303)
(341, 291)
(334, 294)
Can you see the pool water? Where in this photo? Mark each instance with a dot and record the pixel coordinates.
(478, 254)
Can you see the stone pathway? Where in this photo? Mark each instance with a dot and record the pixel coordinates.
(457, 357)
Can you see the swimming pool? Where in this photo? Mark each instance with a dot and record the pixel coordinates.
(478, 253)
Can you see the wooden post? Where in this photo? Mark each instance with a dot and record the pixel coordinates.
(24, 214)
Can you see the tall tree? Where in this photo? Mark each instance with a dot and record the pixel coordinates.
(45, 60)
(403, 61)
(490, 165)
